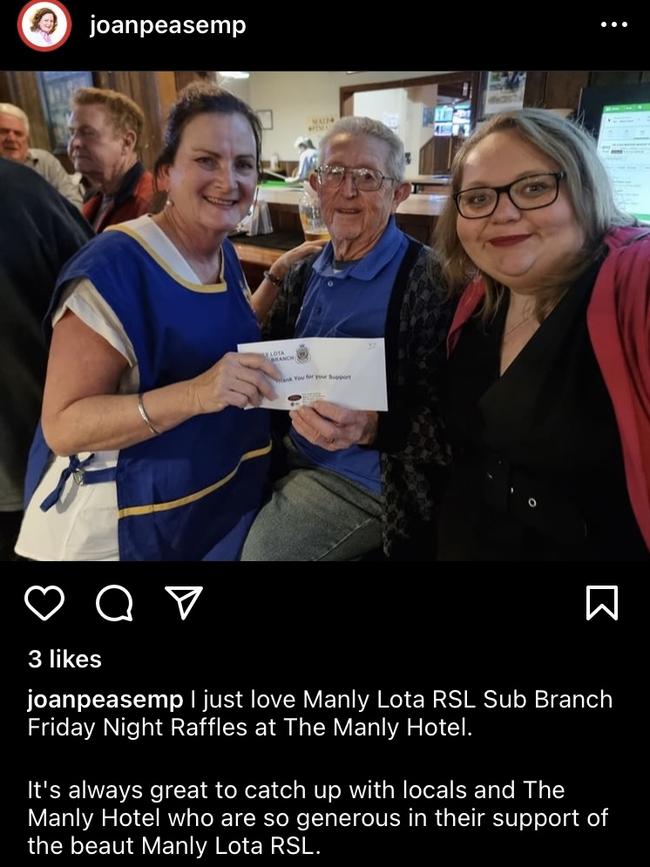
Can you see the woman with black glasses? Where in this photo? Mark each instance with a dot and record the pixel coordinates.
(549, 400)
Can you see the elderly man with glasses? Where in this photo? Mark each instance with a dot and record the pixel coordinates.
(357, 481)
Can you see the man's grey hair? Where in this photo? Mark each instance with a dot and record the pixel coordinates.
(14, 111)
(366, 126)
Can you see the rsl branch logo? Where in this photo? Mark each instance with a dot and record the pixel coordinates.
(302, 354)
(44, 26)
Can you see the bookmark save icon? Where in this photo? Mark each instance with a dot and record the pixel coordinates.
(185, 598)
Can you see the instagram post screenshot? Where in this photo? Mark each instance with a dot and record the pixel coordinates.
(351, 316)
(395, 318)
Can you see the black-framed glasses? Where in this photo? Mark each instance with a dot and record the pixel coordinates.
(365, 180)
(527, 194)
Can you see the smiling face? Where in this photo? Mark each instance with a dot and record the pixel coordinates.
(356, 220)
(214, 174)
(14, 141)
(47, 22)
(517, 248)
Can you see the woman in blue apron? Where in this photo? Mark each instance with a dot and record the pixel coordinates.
(154, 456)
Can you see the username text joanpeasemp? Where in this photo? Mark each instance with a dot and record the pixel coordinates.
(147, 27)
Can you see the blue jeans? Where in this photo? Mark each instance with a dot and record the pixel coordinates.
(314, 514)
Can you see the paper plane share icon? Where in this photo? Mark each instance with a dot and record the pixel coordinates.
(185, 598)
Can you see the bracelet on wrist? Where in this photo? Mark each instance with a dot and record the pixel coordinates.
(277, 281)
(145, 417)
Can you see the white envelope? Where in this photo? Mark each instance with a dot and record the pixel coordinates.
(348, 371)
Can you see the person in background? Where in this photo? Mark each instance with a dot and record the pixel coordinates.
(105, 137)
(512, 79)
(154, 456)
(39, 232)
(14, 145)
(357, 478)
(549, 403)
(307, 160)
(43, 24)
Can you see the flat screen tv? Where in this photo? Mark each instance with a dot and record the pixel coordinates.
(619, 119)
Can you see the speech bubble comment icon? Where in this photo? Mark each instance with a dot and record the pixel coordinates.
(114, 603)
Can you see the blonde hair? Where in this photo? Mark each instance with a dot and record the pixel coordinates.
(588, 188)
(125, 114)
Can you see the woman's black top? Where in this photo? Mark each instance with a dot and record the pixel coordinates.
(538, 466)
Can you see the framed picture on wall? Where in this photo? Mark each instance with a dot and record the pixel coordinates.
(504, 91)
(56, 88)
(266, 118)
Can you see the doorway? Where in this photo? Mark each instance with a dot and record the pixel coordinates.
(431, 114)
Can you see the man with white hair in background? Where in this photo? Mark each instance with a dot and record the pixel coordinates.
(14, 145)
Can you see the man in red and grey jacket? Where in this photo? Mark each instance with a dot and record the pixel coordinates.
(105, 133)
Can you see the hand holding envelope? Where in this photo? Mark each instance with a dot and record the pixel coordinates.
(347, 371)
(333, 428)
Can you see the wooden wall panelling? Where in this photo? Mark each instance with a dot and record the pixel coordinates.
(142, 87)
(427, 157)
(563, 88)
(154, 92)
(441, 154)
(346, 104)
(554, 89)
(605, 77)
(534, 90)
(184, 78)
(166, 85)
(5, 87)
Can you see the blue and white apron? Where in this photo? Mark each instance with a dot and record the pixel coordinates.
(194, 490)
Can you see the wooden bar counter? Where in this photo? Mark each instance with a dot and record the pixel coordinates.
(417, 216)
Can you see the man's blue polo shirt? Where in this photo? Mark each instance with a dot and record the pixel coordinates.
(351, 302)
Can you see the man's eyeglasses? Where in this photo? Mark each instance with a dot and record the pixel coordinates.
(365, 180)
(527, 194)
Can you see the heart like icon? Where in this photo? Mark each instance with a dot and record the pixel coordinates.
(36, 588)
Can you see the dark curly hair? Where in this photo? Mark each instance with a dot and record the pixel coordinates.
(201, 98)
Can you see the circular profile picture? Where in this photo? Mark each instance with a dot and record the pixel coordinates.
(44, 26)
